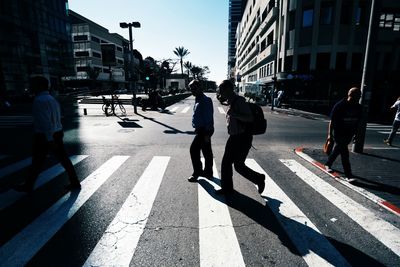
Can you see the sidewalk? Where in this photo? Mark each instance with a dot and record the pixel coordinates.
(377, 171)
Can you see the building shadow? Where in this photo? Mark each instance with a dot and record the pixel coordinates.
(269, 217)
(368, 184)
(381, 157)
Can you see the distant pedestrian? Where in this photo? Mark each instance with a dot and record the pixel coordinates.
(396, 122)
(239, 141)
(345, 117)
(203, 124)
(48, 135)
(279, 98)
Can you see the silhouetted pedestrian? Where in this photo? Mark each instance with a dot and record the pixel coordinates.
(48, 135)
(203, 123)
(345, 117)
(239, 142)
(396, 122)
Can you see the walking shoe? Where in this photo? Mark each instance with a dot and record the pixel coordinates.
(23, 188)
(207, 175)
(261, 184)
(328, 168)
(386, 141)
(193, 179)
(223, 192)
(73, 186)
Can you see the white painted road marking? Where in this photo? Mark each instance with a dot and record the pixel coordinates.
(11, 196)
(315, 249)
(174, 109)
(185, 109)
(15, 167)
(117, 246)
(217, 238)
(383, 231)
(19, 250)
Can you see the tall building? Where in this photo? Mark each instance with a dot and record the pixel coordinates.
(316, 50)
(34, 39)
(236, 8)
(89, 43)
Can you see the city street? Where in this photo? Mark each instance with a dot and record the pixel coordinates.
(137, 208)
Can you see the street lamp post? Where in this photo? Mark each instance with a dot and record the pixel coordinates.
(125, 25)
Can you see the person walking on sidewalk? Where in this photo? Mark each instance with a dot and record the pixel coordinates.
(48, 135)
(345, 117)
(396, 123)
(239, 141)
(203, 123)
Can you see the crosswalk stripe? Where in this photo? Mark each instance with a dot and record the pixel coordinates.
(186, 109)
(11, 196)
(15, 167)
(217, 238)
(387, 132)
(19, 250)
(117, 246)
(313, 246)
(383, 231)
(174, 109)
(221, 110)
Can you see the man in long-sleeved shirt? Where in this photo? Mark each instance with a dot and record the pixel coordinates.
(203, 123)
(48, 135)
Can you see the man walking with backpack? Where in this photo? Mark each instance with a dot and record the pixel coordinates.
(239, 142)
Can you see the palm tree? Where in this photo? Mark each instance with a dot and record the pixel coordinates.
(188, 66)
(181, 52)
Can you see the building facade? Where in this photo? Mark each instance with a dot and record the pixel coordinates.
(34, 39)
(99, 56)
(315, 50)
(236, 9)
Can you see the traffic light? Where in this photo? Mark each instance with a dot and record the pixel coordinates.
(147, 78)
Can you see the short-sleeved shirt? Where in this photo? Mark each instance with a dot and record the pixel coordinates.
(397, 105)
(345, 117)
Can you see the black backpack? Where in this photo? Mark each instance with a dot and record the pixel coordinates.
(259, 125)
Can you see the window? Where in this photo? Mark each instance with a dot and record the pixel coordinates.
(390, 21)
(270, 38)
(80, 38)
(345, 12)
(341, 61)
(308, 18)
(95, 39)
(82, 54)
(262, 45)
(361, 14)
(303, 63)
(323, 60)
(95, 54)
(119, 48)
(292, 20)
(356, 61)
(120, 61)
(326, 16)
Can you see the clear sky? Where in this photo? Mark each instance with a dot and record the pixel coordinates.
(201, 26)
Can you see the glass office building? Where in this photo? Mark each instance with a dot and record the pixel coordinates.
(35, 38)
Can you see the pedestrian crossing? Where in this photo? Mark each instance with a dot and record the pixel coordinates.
(186, 109)
(380, 128)
(219, 244)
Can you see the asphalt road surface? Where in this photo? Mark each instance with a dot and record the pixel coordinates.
(137, 208)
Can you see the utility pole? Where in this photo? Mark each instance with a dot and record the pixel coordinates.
(367, 79)
(129, 26)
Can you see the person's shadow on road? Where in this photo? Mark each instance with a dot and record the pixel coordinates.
(271, 219)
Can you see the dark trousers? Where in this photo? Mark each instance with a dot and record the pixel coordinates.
(41, 148)
(236, 150)
(202, 142)
(341, 148)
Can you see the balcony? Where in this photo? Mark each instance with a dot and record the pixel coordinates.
(253, 52)
(269, 20)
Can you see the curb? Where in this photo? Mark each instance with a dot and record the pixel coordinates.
(374, 198)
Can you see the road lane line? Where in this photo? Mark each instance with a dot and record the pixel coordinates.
(186, 109)
(383, 231)
(19, 250)
(217, 238)
(15, 167)
(315, 249)
(221, 110)
(117, 246)
(11, 196)
(174, 109)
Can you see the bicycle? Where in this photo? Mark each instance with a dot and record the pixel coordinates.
(109, 106)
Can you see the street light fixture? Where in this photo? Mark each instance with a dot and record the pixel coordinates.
(129, 25)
